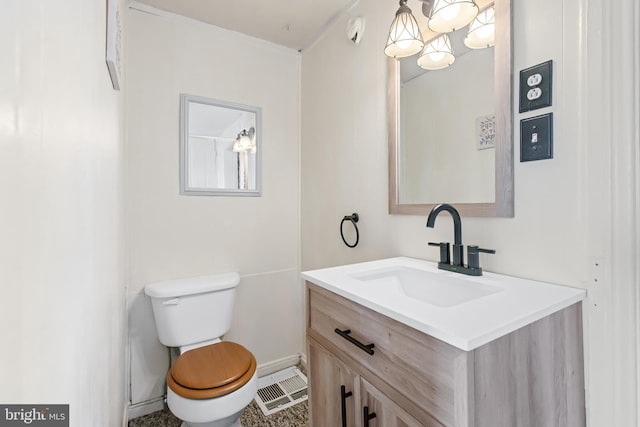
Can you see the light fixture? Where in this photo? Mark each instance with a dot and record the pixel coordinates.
(242, 142)
(450, 15)
(405, 38)
(437, 54)
(482, 31)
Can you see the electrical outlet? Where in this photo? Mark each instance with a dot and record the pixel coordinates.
(536, 138)
(535, 87)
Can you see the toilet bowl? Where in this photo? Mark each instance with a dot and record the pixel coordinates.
(212, 381)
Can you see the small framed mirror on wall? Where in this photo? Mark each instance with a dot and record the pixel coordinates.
(220, 148)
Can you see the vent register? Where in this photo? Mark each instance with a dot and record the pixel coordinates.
(281, 390)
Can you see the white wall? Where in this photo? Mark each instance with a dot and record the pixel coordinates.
(343, 148)
(574, 218)
(62, 312)
(173, 236)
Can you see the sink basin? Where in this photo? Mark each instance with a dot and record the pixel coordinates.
(439, 289)
(464, 311)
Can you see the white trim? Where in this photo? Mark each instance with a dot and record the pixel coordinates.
(264, 273)
(278, 365)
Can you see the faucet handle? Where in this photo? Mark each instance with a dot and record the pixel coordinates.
(444, 251)
(473, 259)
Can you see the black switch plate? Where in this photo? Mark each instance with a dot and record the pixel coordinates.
(536, 138)
(535, 86)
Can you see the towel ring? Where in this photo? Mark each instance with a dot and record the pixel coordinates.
(353, 218)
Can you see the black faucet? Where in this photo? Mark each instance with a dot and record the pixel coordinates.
(473, 267)
(457, 229)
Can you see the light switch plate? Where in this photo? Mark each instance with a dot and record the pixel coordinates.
(535, 86)
(536, 138)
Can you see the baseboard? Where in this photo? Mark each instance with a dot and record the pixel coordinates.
(146, 407)
(303, 362)
(278, 365)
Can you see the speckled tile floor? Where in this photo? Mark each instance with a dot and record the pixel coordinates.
(295, 416)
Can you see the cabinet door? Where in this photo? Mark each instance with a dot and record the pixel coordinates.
(380, 411)
(333, 392)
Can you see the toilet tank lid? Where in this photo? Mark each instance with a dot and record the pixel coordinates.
(192, 285)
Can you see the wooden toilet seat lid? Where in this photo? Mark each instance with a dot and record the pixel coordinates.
(211, 371)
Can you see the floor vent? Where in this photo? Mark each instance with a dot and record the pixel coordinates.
(281, 390)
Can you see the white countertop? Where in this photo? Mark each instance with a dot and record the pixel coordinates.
(468, 325)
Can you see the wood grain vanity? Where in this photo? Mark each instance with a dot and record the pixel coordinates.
(367, 369)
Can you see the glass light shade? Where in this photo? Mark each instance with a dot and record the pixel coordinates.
(437, 54)
(405, 38)
(242, 142)
(482, 31)
(450, 15)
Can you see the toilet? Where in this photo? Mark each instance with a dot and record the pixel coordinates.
(212, 381)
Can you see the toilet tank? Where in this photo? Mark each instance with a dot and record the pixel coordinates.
(193, 310)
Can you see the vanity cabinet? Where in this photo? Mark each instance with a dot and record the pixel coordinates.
(334, 387)
(530, 377)
(380, 410)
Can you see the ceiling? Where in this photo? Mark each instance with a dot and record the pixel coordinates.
(292, 23)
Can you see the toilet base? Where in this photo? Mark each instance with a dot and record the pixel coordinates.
(218, 423)
(224, 410)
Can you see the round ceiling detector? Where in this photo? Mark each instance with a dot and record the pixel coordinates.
(355, 28)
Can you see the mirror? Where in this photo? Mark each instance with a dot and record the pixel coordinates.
(220, 148)
(450, 130)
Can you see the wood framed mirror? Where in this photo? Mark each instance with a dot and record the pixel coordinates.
(416, 187)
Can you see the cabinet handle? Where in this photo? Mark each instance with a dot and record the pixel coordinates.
(367, 416)
(343, 401)
(364, 347)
